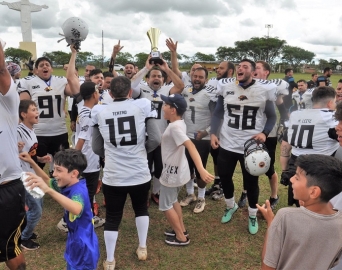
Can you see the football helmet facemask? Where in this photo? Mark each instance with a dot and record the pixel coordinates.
(257, 159)
(75, 30)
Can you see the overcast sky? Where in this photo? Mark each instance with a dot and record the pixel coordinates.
(198, 25)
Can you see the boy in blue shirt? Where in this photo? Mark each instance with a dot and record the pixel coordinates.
(82, 249)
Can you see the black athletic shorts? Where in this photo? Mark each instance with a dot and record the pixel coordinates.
(13, 221)
(271, 144)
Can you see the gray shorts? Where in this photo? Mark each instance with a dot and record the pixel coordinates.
(167, 197)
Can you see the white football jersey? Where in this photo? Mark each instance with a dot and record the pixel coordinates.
(212, 88)
(308, 132)
(50, 101)
(186, 78)
(243, 111)
(10, 168)
(154, 97)
(122, 126)
(29, 138)
(282, 86)
(84, 130)
(197, 115)
(303, 101)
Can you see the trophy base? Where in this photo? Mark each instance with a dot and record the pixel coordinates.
(155, 60)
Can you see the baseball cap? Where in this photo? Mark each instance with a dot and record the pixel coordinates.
(13, 68)
(87, 89)
(177, 101)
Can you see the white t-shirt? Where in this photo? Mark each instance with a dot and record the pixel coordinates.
(50, 103)
(176, 170)
(243, 111)
(308, 132)
(27, 136)
(122, 126)
(10, 168)
(197, 115)
(84, 130)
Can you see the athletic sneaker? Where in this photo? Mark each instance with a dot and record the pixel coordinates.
(274, 202)
(109, 265)
(171, 232)
(199, 208)
(155, 198)
(228, 213)
(142, 253)
(34, 236)
(62, 226)
(96, 208)
(173, 241)
(98, 222)
(188, 199)
(243, 200)
(212, 189)
(29, 244)
(253, 226)
(218, 195)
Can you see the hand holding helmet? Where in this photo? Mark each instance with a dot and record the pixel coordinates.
(257, 159)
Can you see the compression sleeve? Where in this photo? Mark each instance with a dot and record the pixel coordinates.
(271, 117)
(217, 116)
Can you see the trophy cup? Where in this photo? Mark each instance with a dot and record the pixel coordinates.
(153, 34)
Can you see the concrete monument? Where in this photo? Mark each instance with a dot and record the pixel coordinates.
(25, 8)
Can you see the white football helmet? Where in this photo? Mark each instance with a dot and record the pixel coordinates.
(75, 30)
(257, 159)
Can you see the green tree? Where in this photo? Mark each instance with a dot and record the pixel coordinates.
(167, 56)
(140, 59)
(58, 57)
(83, 57)
(123, 58)
(322, 63)
(264, 48)
(203, 57)
(333, 63)
(17, 55)
(227, 54)
(296, 56)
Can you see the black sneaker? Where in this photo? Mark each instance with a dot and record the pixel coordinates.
(29, 244)
(274, 202)
(34, 236)
(212, 189)
(243, 200)
(172, 233)
(173, 241)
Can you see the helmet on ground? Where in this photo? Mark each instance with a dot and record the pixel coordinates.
(257, 159)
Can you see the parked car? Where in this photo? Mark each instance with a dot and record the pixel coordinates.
(118, 67)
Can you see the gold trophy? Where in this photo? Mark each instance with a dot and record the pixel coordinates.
(153, 34)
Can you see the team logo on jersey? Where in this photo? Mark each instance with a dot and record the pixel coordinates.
(48, 88)
(190, 90)
(35, 87)
(85, 128)
(230, 93)
(191, 99)
(242, 98)
(33, 150)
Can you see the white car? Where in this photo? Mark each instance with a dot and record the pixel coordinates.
(119, 67)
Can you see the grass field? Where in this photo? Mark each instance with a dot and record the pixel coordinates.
(213, 245)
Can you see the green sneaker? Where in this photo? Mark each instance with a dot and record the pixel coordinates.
(253, 226)
(228, 213)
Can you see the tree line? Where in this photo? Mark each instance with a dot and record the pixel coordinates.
(270, 49)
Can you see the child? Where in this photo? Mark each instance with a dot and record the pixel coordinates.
(27, 139)
(175, 167)
(309, 237)
(82, 250)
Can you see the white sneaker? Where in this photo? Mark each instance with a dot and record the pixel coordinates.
(109, 265)
(142, 253)
(98, 222)
(62, 226)
(199, 206)
(188, 199)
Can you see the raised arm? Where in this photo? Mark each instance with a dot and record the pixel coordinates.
(135, 81)
(116, 49)
(5, 77)
(73, 86)
(178, 84)
(174, 60)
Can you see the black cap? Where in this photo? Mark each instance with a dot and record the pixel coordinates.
(87, 89)
(177, 101)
